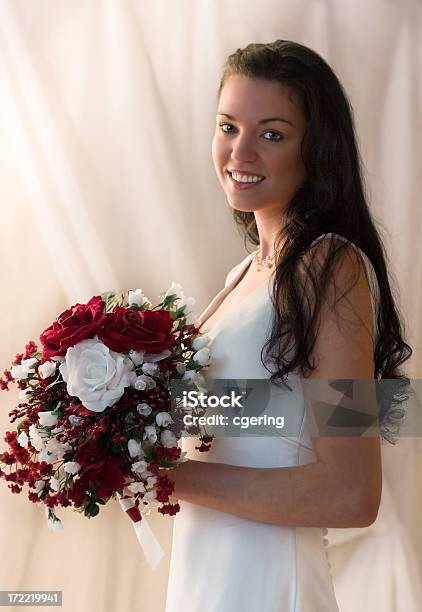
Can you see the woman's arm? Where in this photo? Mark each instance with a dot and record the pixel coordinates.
(343, 487)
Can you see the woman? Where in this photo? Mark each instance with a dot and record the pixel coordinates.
(313, 302)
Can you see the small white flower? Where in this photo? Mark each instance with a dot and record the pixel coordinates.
(150, 368)
(149, 496)
(24, 394)
(58, 358)
(54, 484)
(202, 356)
(23, 439)
(143, 382)
(136, 487)
(72, 467)
(37, 437)
(58, 449)
(186, 301)
(46, 456)
(154, 357)
(53, 522)
(151, 480)
(137, 298)
(74, 420)
(145, 474)
(57, 430)
(139, 466)
(200, 341)
(168, 439)
(137, 357)
(47, 418)
(163, 419)
(134, 448)
(175, 289)
(180, 367)
(189, 375)
(47, 369)
(144, 409)
(39, 486)
(150, 434)
(22, 371)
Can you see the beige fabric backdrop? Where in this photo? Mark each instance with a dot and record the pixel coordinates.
(106, 180)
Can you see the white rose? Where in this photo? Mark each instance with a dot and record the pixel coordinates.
(71, 467)
(168, 439)
(47, 369)
(95, 374)
(143, 382)
(47, 418)
(22, 371)
(200, 341)
(144, 409)
(150, 368)
(134, 448)
(23, 439)
(150, 434)
(202, 356)
(137, 298)
(153, 357)
(163, 419)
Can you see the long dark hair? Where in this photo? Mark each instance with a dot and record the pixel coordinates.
(331, 200)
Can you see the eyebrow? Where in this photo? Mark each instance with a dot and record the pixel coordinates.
(262, 120)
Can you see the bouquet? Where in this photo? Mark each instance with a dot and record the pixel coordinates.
(95, 411)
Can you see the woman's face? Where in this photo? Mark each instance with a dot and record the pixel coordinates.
(259, 130)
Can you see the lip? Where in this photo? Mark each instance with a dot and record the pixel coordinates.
(244, 172)
(242, 186)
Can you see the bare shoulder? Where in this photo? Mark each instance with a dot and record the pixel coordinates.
(344, 343)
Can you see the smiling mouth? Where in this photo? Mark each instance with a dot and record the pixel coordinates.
(247, 182)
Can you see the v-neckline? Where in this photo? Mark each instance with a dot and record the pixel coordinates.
(221, 296)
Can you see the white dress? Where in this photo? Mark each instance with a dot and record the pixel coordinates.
(221, 562)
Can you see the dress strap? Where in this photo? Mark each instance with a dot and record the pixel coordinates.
(232, 279)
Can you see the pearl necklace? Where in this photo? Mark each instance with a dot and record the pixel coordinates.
(267, 262)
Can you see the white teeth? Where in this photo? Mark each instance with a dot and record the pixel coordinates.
(242, 178)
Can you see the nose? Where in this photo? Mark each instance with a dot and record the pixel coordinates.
(243, 148)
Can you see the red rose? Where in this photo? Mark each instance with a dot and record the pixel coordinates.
(106, 475)
(138, 330)
(77, 323)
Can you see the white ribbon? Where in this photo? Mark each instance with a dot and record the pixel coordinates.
(150, 545)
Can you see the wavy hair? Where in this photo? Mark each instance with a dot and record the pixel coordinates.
(331, 199)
